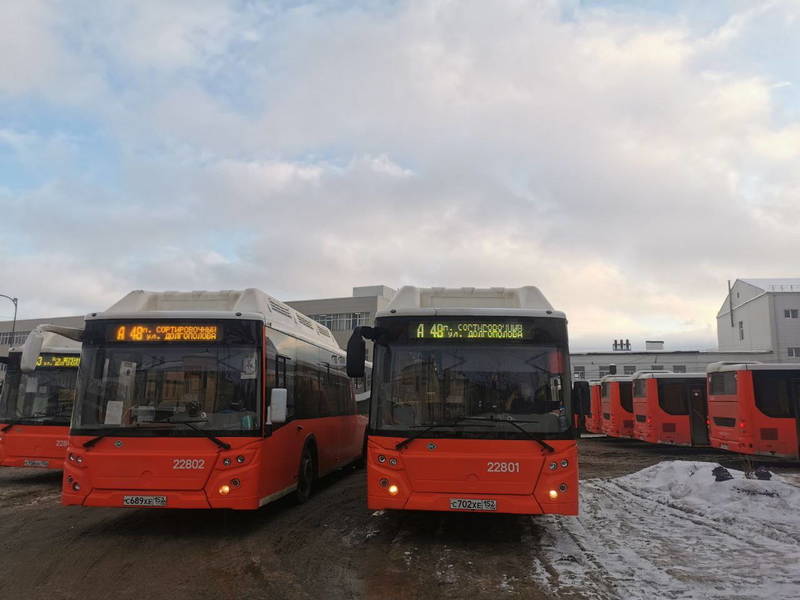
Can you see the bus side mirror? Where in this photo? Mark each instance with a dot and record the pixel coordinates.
(277, 406)
(356, 354)
(31, 351)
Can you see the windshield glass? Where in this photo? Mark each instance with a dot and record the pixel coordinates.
(214, 386)
(44, 396)
(421, 385)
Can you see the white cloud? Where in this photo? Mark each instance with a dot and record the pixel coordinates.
(624, 164)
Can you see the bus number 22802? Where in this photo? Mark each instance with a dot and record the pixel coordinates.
(502, 467)
(188, 463)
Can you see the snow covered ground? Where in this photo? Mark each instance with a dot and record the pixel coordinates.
(671, 531)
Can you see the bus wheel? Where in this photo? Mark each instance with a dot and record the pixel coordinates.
(305, 478)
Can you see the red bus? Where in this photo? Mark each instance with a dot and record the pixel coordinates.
(753, 408)
(471, 404)
(616, 404)
(594, 420)
(224, 399)
(670, 408)
(35, 406)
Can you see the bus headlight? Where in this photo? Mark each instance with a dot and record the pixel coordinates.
(224, 489)
(76, 486)
(381, 458)
(563, 487)
(227, 461)
(240, 459)
(383, 482)
(393, 461)
(553, 494)
(565, 463)
(553, 466)
(393, 489)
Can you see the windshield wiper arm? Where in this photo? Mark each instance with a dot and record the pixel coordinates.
(7, 427)
(191, 425)
(527, 433)
(402, 444)
(93, 441)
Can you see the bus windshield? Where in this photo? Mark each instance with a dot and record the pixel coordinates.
(156, 386)
(43, 397)
(419, 385)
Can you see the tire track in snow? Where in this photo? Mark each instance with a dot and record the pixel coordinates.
(630, 546)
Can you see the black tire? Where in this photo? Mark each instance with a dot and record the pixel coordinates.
(305, 477)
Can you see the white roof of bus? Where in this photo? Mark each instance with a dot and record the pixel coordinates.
(751, 366)
(667, 375)
(609, 378)
(56, 344)
(497, 301)
(250, 303)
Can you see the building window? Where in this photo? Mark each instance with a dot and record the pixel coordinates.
(795, 352)
(791, 313)
(741, 330)
(679, 368)
(19, 338)
(342, 321)
(629, 369)
(794, 313)
(657, 367)
(604, 370)
(580, 372)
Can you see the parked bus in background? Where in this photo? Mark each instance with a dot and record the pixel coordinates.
(35, 407)
(616, 403)
(225, 399)
(594, 418)
(580, 404)
(670, 408)
(471, 403)
(753, 408)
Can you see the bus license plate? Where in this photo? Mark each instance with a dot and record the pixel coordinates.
(144, 500)
(35, 463)
(470, 504)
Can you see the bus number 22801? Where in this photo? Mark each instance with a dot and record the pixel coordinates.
(502, 467)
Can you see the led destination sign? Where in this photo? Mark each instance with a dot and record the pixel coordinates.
(502, 330)
(67, 361)
(152, 332)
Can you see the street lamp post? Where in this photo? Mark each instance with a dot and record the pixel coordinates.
(14, 322)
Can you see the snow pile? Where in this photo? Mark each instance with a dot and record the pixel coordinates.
(672, 531)
(690, 486)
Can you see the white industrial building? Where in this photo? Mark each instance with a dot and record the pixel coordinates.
(761, 315)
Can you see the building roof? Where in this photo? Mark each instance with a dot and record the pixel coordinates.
(521, 301)
(249, 303)
(667, 375)
(785, 284)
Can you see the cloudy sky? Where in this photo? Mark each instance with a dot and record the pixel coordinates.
(626, 157)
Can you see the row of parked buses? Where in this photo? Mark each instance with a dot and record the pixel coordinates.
(748, 408)
(233, 399)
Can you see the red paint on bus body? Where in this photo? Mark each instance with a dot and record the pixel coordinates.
(594, 421)
(654, 424)
(33, 446)
(736, 423)
(429, 472)
(617, 421)
(129, 466)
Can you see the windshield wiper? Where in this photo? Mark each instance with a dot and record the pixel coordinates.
(93, 441)
(7, 427)
(190, 423)
(527, 433)
(402, 444)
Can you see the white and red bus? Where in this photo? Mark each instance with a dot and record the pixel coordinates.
(471, 403)
(226, 399)
(35, 406)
